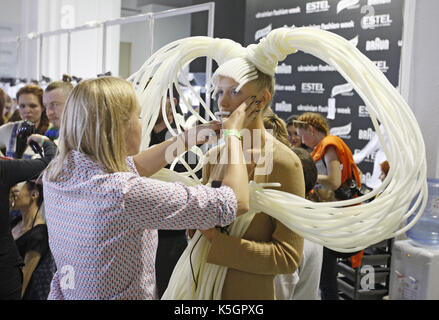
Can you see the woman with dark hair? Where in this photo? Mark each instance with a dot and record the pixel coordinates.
(32, 241)
(31, 109)
(11, 173)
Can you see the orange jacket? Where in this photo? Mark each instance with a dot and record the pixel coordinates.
(344, 155)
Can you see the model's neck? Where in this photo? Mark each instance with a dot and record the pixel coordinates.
(29, 216)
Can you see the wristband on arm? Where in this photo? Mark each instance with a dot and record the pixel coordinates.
(231, 132)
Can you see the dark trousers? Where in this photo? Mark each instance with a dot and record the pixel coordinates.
(171, 245)
(328, 276)
(11, 280)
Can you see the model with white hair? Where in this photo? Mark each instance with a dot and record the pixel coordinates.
(339, 225)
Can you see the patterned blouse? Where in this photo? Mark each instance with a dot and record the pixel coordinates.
(102, 226)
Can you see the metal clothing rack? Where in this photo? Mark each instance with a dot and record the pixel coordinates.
(150, 16)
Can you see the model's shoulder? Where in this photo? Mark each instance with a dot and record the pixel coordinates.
(284, 154)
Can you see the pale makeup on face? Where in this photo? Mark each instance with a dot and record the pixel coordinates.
(228, 98)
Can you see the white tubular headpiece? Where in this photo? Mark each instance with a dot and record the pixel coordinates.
(239, 69)
(270, 50)
(341, 225)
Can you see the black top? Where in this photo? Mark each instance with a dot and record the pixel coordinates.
(11, 173)
(35, 239)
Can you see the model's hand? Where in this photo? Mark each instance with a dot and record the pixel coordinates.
(243, 115)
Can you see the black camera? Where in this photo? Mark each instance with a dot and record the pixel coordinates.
(25, 130)
(348, 190)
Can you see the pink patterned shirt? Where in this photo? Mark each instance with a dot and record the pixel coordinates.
(102, 227)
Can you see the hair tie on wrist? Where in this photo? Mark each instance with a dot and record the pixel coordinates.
(231, 132)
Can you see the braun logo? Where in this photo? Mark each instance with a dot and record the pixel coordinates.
(372, 22)
(365, 134)
(283, 107)
(317, 6)
(312, 87)
(377, 44)
(284, 69)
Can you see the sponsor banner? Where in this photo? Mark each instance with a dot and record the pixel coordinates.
(305, 83)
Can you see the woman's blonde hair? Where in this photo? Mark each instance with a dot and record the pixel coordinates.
(273, 122)
(94, 122)
(314, 119)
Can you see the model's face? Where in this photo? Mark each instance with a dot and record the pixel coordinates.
(29, 107)
(134, 133)
(54, 101)
(228, 98)
(293, 137)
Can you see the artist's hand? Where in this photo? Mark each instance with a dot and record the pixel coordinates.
(210, 234)
(201, 134)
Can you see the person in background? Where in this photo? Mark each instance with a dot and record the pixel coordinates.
(31, 108)
(293, 137)
(278, 127)
(303, 284)
(335, 165)
(97, 192)
(13, 113)
(54, 98)
(384, 170)
(3, 111)
(11, 173)
(31, 238)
